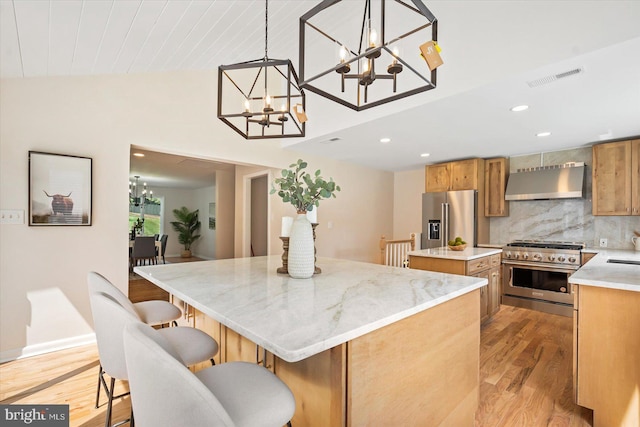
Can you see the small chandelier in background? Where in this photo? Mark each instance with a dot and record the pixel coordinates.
(350, 64)
(137, 197)
(262, 98)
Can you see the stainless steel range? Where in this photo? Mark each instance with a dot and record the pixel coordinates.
(535, 275)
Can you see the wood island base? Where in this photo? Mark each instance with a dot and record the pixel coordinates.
(420, 371)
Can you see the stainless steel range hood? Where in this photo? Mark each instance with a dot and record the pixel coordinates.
(547, 182)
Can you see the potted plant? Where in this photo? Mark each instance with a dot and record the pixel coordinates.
(304, 191)
(187, 226)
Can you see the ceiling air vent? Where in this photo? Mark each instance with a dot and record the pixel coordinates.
(331, 140)
(552, 78)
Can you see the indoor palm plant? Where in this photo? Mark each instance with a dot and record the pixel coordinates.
(304, 191)
(188, 227)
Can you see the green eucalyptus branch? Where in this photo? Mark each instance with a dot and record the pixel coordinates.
(301, 189)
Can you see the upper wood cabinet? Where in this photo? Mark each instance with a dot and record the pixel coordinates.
(438, 178)
(496, 172)
(616, 178)
(452, 176)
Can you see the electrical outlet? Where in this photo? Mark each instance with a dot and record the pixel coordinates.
(12, 216)
(603, 243)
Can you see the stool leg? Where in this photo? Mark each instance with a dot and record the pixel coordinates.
(99, 385)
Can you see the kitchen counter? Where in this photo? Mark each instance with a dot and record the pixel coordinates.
(598, 272)
(468, 254)
(358, 344)
(297, 318)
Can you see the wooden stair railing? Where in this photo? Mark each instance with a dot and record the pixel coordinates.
(394, 252)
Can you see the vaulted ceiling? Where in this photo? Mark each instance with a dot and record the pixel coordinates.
(491, 51)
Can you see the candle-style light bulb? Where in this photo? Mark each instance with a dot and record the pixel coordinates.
(343, 54)
(365, 66)
(373, 37)
(283, 108)
(247, 108)
(267, 105)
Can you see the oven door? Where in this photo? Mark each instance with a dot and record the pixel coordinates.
(537, 281)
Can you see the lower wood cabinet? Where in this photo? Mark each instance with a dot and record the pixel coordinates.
(418, 371)
(487, 267)
(606, 370)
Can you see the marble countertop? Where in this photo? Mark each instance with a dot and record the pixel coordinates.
(468, 254)
(297, 318)
(600, 272)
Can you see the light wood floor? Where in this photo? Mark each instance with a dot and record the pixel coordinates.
(526, 371)
(525, 374)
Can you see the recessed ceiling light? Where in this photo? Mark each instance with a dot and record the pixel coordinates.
(424, 155)
(385, 140)
(138, 154)
(543, 134)
(519, 108)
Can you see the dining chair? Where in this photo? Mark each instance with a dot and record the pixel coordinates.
(163, 246)
(144, 249)
(394, 252)
(110, 318)
(165, 393)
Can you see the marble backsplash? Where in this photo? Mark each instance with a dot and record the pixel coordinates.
(565, 220)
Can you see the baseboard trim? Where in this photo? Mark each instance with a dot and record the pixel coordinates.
(47, 347)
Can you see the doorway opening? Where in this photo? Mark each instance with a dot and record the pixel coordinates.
(259, 215)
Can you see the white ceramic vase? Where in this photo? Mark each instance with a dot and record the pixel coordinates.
(301, 261)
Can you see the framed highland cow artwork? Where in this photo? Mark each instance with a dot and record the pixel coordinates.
(59, 189)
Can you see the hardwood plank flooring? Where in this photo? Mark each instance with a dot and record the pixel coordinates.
(526, 371)
(525, 376)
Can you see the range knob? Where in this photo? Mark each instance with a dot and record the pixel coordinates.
(572, 259)
(561, 258)
(552, 258)
(537, 257)
(507, 255)
(525, 256)
(516, 255)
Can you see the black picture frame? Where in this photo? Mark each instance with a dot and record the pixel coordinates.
(60, 189)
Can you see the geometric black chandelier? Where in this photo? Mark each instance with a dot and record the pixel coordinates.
(362, 53)
(262, 98)
(138, 197)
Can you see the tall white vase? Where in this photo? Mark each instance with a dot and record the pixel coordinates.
(301, 259)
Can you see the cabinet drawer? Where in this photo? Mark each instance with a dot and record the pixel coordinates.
(478, 264)
(495, 260)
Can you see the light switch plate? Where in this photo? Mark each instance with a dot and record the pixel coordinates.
(15, 216)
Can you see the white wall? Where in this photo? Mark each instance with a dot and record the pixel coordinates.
(205, 246)
(43, 298)
(225, 214)
(408, 187)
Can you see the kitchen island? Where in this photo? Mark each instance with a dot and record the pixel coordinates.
(606, 370)
(472, 261)
(359, 344)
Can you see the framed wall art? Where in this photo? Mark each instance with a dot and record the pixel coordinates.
(59, 189)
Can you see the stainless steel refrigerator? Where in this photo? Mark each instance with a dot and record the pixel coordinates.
(447, 215)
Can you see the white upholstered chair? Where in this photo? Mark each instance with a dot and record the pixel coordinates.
(110, 318)
(165, 393)
(154, 312)
(394, 252)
